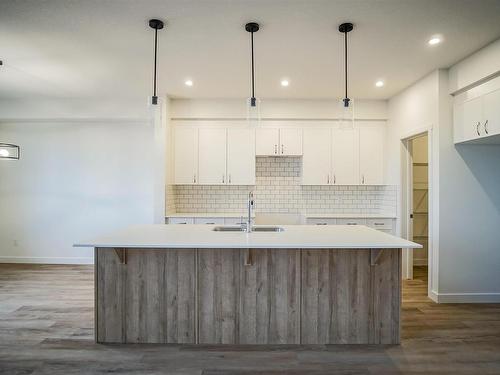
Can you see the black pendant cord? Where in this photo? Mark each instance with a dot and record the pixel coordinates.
(252, 27)
(253, 75)
(156, 25)
(346, 28)
(155, 97)
(346, 99)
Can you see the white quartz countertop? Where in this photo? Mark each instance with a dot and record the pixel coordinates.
(293, 237)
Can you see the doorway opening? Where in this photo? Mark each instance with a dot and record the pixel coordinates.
(416, 211)
(419, 212)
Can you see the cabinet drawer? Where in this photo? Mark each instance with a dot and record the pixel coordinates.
(209, 220)
(234, 220)
(319, 221)
(180, 220)
(351, 221)
(379, 223)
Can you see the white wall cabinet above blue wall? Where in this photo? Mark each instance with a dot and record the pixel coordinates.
(477, 119)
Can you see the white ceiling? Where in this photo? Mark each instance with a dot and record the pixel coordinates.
(101, 48)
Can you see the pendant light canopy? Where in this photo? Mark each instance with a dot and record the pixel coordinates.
(9, 151)
(156, 25)
(346, 104)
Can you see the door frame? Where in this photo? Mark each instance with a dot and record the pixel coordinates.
(407, 196)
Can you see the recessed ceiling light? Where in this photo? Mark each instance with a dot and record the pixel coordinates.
(285, 82)
(188, 83)
(434, 40)
(379, 83)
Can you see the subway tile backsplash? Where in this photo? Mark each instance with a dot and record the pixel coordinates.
(278, 190)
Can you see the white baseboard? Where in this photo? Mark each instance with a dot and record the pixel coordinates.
(47, 260)
(465, 297)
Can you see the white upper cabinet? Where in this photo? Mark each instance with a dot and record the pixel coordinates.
(267, 141)
(241, 156)
(212, 156)
(290, 142)
(477, 118)
(491, 113)
(279, 142)
(371, 154)
(345, 156)
(186, 156)
(467, 117)
(316, 162)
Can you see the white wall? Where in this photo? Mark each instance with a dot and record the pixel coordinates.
(76, 178)
(465, 201)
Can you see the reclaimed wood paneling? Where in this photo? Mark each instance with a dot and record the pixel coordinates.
(284, 296)
(386, 298)
(345, 300)
(150, 299)
(110, 296)
(270, 295)
(218, 295)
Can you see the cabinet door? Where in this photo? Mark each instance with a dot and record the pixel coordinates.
(290, 142)
(212, 156)
(371, 154)
(241, 156)
(316, 162)
(267, 141)
(186, 156)
(345, 156)
(467, 120)
(491, 113)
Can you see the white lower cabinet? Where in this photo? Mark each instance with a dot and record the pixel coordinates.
(209, 220)
(386, 225)
(380, 223)
(180, 220)
(353, 221)
(320, 221)
(234, 220)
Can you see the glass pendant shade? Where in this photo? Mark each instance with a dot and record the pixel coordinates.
(253, 112)
(346, 114)
(9, 151)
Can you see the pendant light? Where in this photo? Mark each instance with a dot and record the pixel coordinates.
(253, 104)
(346, 105)
(156, 25)
(9, 151)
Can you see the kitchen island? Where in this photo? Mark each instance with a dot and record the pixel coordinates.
(304, 284)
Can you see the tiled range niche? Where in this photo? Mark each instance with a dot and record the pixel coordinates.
(278, 190)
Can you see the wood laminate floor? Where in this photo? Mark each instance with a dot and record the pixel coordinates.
(46, 327)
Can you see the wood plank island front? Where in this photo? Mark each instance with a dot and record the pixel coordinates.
(304, 285)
